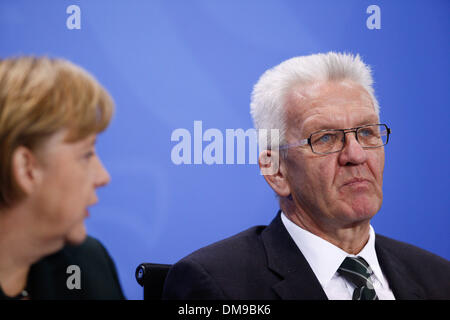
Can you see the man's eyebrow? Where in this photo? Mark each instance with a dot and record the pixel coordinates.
(368, 120)
(329, 124)
(322, 125)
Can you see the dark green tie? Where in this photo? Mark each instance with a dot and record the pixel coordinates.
(357, 271)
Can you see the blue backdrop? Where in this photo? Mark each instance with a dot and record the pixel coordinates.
(168, 63)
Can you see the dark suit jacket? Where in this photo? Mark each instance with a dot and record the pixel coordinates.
(265, 263)
(48, 277)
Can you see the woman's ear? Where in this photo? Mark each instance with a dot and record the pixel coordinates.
(25, 169)
(274, 172)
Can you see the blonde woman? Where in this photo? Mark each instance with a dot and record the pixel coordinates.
(50, 114)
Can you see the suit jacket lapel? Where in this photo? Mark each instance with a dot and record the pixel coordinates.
(298, 281)
(403, 286)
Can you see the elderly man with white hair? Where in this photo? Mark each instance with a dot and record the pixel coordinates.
(329, 179)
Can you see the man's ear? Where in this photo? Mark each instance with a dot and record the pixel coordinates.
(25, 169)
(274, 172)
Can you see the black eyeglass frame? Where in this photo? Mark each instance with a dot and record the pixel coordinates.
(344, 131)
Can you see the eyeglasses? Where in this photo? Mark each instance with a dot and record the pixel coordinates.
(333, 140)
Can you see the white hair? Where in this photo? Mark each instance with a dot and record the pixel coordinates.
(270, 92)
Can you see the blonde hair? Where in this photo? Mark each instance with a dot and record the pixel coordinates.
(38, 97)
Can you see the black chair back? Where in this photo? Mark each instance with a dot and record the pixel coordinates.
(151, 277)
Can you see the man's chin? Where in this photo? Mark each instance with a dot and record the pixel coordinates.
(360, 209)
(363, 212)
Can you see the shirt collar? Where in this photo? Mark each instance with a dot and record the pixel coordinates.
(369, 254)
(324, 257)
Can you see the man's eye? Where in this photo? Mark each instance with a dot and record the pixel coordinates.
(366, 132)
(326, 138)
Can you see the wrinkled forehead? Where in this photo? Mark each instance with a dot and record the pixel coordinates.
(329, 105)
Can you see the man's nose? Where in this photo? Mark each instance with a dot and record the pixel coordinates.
(353, 153)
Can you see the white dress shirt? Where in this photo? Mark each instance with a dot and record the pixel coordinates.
(325, 258)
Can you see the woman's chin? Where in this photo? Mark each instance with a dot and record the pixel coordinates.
(77, 235)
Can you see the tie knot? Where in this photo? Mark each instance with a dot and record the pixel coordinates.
(357, 271)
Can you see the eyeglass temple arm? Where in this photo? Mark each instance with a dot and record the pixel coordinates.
(295, 144)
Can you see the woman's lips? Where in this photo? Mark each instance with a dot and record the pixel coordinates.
(86, 211)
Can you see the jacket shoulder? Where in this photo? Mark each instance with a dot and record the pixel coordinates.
(227, 269)
(409, 252)
(91, 261)
(231, 248)
(414, 269)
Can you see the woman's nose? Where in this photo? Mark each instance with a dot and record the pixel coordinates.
(102, 175)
